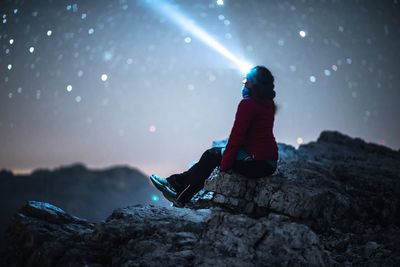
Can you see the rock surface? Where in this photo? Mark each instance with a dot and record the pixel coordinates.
(44, 235)
(333, 202)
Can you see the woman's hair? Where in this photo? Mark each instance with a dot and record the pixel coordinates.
(263, 81)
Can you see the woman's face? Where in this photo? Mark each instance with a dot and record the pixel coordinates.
(247, 88)
(247, 83)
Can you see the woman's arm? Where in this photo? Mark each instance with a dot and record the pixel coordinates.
(243, 118)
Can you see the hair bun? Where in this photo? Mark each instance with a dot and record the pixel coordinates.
(264, 85)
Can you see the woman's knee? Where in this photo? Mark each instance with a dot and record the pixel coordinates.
(213, 154)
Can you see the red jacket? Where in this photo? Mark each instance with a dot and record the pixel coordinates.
(252, 129)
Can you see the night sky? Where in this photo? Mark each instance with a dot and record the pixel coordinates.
(119, 82)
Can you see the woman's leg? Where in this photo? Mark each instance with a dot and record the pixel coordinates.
(253, 168)
(188, 183)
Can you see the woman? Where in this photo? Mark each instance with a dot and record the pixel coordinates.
(251, 149)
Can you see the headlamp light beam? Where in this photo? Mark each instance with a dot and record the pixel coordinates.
(191, 27)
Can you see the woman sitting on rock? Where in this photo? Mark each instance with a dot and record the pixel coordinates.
(251, 149)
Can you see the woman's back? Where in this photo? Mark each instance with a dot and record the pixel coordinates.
(260, 140)
(252, 131)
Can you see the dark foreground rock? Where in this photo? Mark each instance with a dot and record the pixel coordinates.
(43, 235)
(334, 202)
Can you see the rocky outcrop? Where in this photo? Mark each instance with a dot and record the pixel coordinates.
(317, 187)
(44, 235)
(343, 188)
(332, 202)
(337, 181)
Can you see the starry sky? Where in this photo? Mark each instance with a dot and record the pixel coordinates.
(110, 82)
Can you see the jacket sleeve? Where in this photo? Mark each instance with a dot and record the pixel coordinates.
(243, 118)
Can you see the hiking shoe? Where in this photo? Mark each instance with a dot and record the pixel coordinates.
(166, 189)
(162, 183)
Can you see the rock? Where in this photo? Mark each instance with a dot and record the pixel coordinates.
(287, 152)
(270, 241)
(370, 248)
(41, 233)
(301, 190)
(324, 184)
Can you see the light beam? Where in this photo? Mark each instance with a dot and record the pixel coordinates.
(191, 27)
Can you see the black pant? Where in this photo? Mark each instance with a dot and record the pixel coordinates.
(188, 183)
